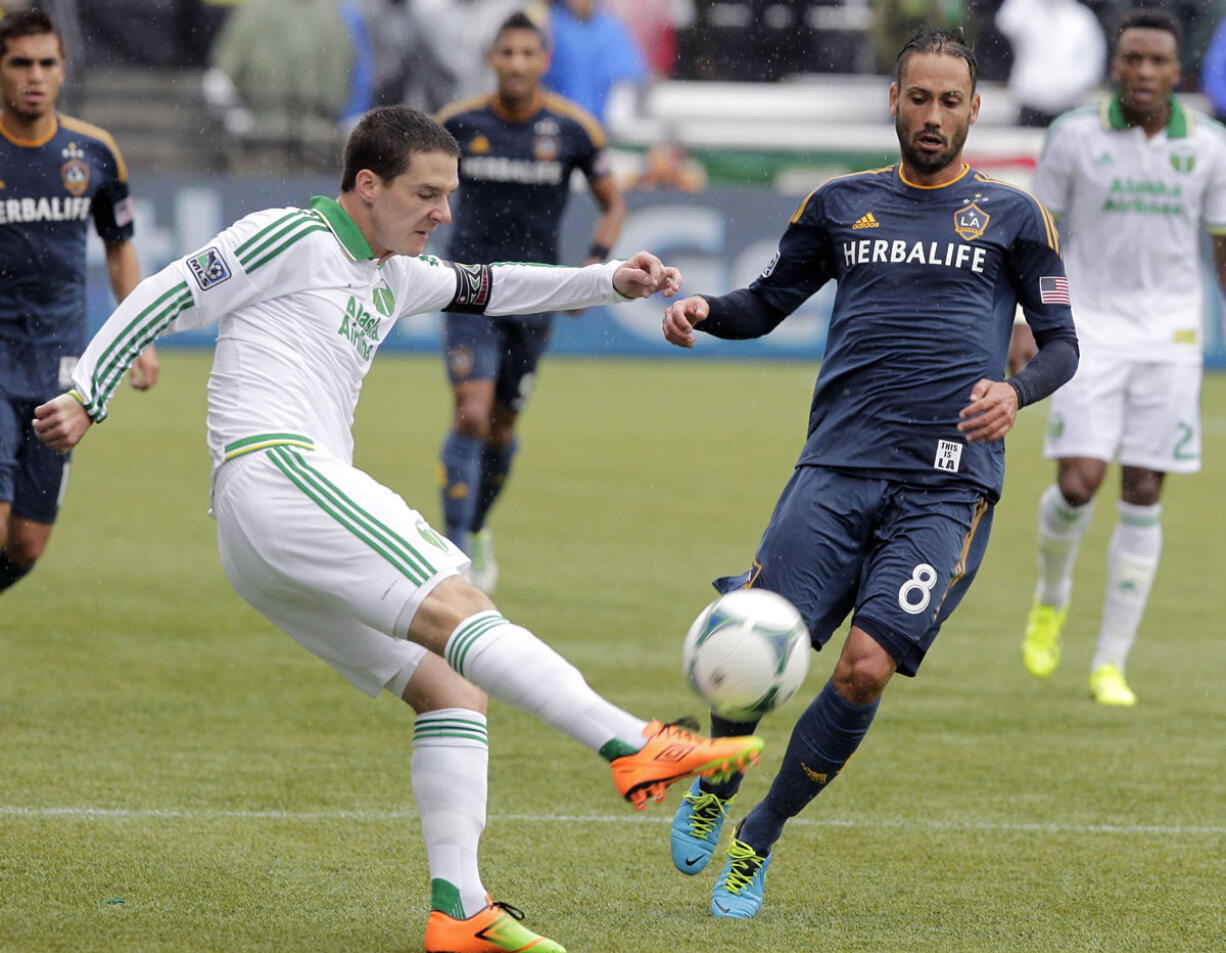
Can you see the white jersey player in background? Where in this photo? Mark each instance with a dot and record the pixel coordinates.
(339, 562)
(1135, 181)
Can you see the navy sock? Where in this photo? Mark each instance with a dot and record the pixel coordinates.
(495, 467)
(460, 475)
(825, 736)
(10, 571)
(723, 728)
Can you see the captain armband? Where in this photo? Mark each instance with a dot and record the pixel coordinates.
(472, 288)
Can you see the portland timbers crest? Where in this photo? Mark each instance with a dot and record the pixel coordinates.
(1183, 161)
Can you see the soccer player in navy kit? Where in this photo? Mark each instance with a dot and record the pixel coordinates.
(520, 146)
(888, 512)
(57, 174)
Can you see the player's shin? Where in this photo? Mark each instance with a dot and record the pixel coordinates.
(511, 664)
(459, 479)
(825, 737)
(450, 774)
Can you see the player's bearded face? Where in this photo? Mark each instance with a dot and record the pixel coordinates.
(933, 107)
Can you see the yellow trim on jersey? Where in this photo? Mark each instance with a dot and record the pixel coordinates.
(834, 178)
(564, 106)
(981, 507)
(31, 143)
(463, 106)
(1049, 221)
(89, 129)
(915, 185)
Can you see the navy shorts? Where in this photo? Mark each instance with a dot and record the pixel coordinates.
(32, 475)
(505, 350)
(899, 556)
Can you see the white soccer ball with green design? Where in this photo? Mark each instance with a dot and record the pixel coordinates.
(746, 654)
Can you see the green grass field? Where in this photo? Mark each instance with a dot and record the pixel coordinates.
(176, 775)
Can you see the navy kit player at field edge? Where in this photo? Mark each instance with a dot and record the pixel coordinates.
(887, 514)
(520, 145)
(57, 174)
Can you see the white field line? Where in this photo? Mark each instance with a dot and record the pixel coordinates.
(1171, 830)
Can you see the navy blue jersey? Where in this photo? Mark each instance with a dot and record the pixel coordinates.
(49, 191)
(928, 281)
(515, 175)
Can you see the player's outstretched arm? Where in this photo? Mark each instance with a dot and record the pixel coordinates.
(680, 318)
(991, 412)
(61, 422)
(643, 275)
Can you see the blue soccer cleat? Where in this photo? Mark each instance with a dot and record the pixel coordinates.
(740, 889)
(696, 828)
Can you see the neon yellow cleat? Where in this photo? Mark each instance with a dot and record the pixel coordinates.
(1041, 646)
(1108, 687)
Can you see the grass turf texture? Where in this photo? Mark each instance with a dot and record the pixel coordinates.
(177, 775)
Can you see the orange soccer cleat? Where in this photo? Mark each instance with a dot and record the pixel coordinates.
(672, 753)
(495, 929)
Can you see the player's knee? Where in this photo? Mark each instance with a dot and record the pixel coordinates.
(24, 550)
(862, 679)
(472, 419)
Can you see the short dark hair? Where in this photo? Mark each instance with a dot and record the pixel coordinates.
(1150, 18)
(385, 139)
(947, 42)
(26, 23)
(521, 21)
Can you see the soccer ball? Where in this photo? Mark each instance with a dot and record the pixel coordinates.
(746, 653)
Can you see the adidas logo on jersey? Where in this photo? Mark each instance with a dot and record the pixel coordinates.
(866, 221)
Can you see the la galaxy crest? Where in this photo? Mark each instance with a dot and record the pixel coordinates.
(74, 172)
(547, 142)
(970, 222)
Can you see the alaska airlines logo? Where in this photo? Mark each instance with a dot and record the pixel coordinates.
(866, 221)
(970, 222)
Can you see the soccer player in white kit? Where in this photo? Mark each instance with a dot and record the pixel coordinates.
(1135, 179)
(339, 562)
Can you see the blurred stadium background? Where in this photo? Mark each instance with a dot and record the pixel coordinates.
(767, 98)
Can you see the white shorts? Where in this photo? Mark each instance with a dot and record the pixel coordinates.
(1143, 414)
(331, 557)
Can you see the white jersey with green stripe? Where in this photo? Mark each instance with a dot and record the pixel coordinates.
(1134, 208)
(302, 305)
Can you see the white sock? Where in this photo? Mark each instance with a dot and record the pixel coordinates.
(450, 774)
(1061, 528)
(511, 664)
(1132, 563)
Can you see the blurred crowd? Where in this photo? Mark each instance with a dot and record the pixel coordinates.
(305, 69)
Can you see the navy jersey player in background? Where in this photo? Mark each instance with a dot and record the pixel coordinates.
(888, 511)
(56, 173)
(520, 146)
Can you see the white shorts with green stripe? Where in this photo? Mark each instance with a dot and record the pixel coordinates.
(1144, 414)
(331, 557)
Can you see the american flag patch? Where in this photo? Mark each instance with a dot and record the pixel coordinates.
(1053, 290)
